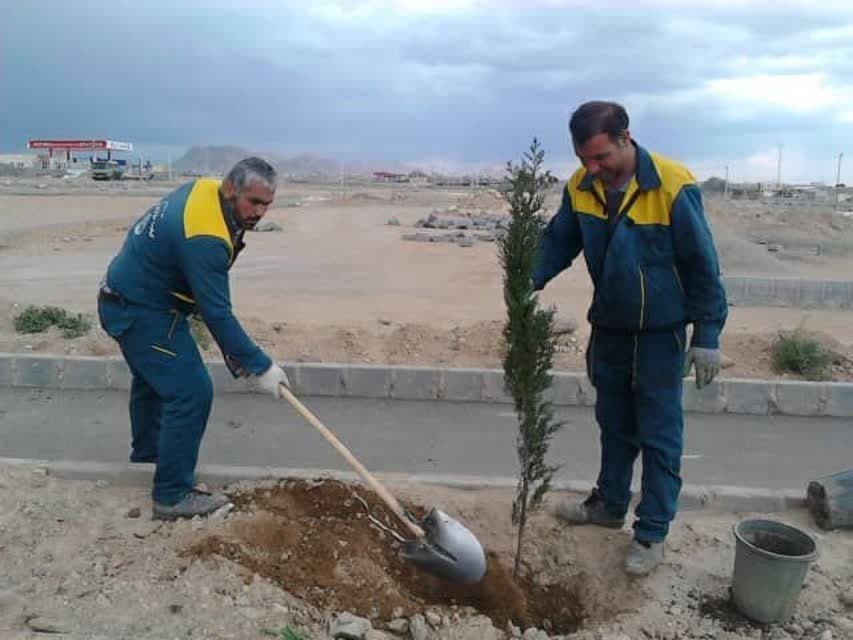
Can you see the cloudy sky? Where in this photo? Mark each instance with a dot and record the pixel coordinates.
(719, 84)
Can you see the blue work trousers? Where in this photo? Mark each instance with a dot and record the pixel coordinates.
(170, 396)
(638, 382)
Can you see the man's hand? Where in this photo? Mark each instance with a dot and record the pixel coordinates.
(270, 380)
(707, 363)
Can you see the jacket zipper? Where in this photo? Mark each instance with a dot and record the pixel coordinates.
(174, 324)
(642, 297)
(634, 368)
(678, 279)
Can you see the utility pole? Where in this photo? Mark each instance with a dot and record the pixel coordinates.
(779, 169)
(838, 180)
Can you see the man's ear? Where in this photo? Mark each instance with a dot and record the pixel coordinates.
(228, 189)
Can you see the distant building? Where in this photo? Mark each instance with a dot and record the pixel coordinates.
(418, 177)
(387, 176)
(19, 160)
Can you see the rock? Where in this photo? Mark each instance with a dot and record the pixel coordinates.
(434, 619)
(726, 362)
(398, 625)
(565, 325)
(512, 630)
(417, 237)
(476, 628)
(41, 624)
(393, 222)
(349, 626)
(39, 478)
(778, 634)
(795, 629)
(826, 635)
(530, 633)
(418, 627)
(252, 613)
(465, 243)
(133, 513)
(267, 225)
(376, 634)
(842, 623)
(675, 611)
(146, 528)
(846, 598)
(11, 604)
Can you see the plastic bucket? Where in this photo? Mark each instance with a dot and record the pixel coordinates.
(771, 561)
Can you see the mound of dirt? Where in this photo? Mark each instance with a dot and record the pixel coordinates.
(489, 200)
(82, 558)
(315, 539)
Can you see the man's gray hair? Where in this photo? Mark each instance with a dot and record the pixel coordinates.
(250, 170)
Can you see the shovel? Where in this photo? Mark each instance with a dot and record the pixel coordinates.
(440, 545)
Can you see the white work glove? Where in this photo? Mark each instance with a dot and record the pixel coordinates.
(707, 363)
(270, 380)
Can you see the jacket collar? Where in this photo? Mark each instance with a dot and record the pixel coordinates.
(646, 172)
(228, 213)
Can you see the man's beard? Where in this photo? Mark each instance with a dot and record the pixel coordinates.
(231, 205)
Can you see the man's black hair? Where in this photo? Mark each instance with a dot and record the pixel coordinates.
(596, 117)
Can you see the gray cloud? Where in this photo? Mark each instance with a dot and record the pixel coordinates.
(472, 84)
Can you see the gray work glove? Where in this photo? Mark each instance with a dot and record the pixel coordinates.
(270, 380)
(707, 363)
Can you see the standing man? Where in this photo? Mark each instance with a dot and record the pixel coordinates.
(639, 220)
(175, 261)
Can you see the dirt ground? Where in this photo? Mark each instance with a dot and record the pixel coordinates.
(340, 285)
(84, 560)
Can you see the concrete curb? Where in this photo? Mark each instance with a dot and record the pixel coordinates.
(796, 293)
(734, 396)
(693, 497)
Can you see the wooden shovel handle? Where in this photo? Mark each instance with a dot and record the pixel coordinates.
(389, 500)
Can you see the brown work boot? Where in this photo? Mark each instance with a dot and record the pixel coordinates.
(195, 503)
(590, 511)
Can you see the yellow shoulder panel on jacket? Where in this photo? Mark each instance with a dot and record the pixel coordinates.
(673, 175)
(655, 206)
(202, 214)
(583, 202)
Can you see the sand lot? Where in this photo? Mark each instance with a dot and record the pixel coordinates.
(340, 284)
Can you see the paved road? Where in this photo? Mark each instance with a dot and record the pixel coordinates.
(419, 437)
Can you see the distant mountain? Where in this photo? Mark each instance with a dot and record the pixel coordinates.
(217, 160)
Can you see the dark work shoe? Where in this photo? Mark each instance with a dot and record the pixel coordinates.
(643, 557)
(195, 503)
(590, 511)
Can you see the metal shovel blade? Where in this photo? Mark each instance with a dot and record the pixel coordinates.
(448, 550)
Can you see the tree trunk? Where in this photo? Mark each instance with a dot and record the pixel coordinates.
(522, 521)
(830, 500)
